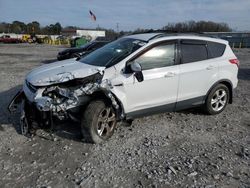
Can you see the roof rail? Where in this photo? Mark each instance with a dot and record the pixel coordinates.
(156, 36)
(182, 34)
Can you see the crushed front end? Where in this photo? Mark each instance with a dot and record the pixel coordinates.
(41, 105)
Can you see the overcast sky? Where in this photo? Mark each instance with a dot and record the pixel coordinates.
(130, 14)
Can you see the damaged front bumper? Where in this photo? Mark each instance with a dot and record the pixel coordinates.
(41, 104)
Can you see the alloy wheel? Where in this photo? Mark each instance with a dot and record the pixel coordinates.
(106, 122)
(219, 100)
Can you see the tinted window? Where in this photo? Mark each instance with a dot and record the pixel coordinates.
(159, 56)
(216, 49)
(192, 52)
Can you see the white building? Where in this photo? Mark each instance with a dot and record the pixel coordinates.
(92, 34)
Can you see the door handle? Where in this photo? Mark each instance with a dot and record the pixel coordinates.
(169, 74)
(210, 67)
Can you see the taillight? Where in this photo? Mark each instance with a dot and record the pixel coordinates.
(235, 61)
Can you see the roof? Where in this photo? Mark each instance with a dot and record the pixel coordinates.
(161, 36)
(192, 37)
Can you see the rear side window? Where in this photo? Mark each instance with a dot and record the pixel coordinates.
(216, 49)
(157, 57)
(192, 51)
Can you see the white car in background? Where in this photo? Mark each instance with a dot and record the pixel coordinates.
(134, 76)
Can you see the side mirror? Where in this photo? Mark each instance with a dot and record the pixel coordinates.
(136, 68)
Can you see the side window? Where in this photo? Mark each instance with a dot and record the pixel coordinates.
(157, 57)
(192, 52)
(216, 49)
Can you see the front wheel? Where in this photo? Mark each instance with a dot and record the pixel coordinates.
(217, 99)
(98, 122)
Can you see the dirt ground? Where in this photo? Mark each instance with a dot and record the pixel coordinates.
(184, 149)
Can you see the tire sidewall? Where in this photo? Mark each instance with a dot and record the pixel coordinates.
(91, 126)
(208, 105)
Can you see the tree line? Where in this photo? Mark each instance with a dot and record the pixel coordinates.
(200, 26)
(30, 28)
(55, 29)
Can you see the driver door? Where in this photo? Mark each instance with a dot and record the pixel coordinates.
(158, 91)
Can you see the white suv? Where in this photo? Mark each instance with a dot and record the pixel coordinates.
(134, 76)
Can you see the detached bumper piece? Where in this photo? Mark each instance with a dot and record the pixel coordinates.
(31, 118)
(24, 125)
(17, 99)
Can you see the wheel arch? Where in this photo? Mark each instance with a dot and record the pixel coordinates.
(227, 83)
(107, 97)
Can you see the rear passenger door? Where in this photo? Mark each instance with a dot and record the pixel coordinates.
(197, 73)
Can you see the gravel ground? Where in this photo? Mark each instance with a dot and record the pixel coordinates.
(184, 149)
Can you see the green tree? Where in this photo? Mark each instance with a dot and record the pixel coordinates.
(57, 28)
(200, 26)
(33, 28)
(18, 27)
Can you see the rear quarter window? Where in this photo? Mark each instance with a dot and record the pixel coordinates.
(193, 51)
(216, 49)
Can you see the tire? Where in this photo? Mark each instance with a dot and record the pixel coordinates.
(98, 122)
(217, 99)
(24, 127)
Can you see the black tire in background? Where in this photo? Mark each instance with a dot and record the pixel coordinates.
(217, 99)
(98, 122)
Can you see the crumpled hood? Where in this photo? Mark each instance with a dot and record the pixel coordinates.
(61, 71)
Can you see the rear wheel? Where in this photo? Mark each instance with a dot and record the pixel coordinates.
(98, 122)
(217, 99)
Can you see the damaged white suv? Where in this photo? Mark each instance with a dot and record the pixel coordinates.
(131, 77)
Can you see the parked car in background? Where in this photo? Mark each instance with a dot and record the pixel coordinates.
(134, 76)
(8, 39)
(78, 52)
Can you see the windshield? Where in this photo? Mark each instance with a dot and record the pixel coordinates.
(113, 52)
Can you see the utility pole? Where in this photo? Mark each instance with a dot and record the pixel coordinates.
(117, 27)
